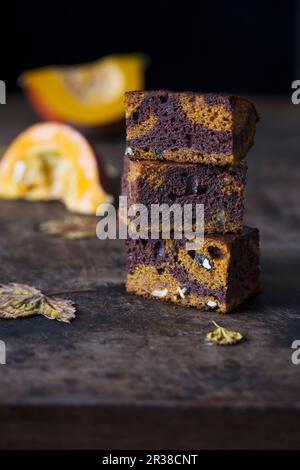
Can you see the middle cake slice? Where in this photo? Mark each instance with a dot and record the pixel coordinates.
(219, 189)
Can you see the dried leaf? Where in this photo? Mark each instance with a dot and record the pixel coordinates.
(20, 300)
(72, 227)
(223, 336)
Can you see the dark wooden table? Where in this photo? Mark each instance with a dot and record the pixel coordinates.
(130, 373)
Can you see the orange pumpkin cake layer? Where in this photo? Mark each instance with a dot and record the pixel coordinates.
(219, 189)
(218, 277)
(189, 127)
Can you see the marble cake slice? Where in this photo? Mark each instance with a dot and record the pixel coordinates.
(189, 127)
(219, 189)
(219, 277)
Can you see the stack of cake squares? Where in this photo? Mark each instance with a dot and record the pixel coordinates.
(190, 148)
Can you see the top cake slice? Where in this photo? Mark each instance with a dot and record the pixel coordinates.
(189, 127)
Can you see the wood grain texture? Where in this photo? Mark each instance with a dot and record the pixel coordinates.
(131, 373)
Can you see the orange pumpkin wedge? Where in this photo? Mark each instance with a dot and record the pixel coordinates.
(52, 161)
(89, 95)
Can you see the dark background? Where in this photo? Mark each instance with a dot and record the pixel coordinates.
(245, 46)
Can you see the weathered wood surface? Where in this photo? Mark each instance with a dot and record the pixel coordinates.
(131, 373)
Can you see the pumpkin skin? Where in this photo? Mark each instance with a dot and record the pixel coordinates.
(52, 161)
(89, 96)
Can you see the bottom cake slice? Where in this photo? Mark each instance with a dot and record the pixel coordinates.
(219, 277)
